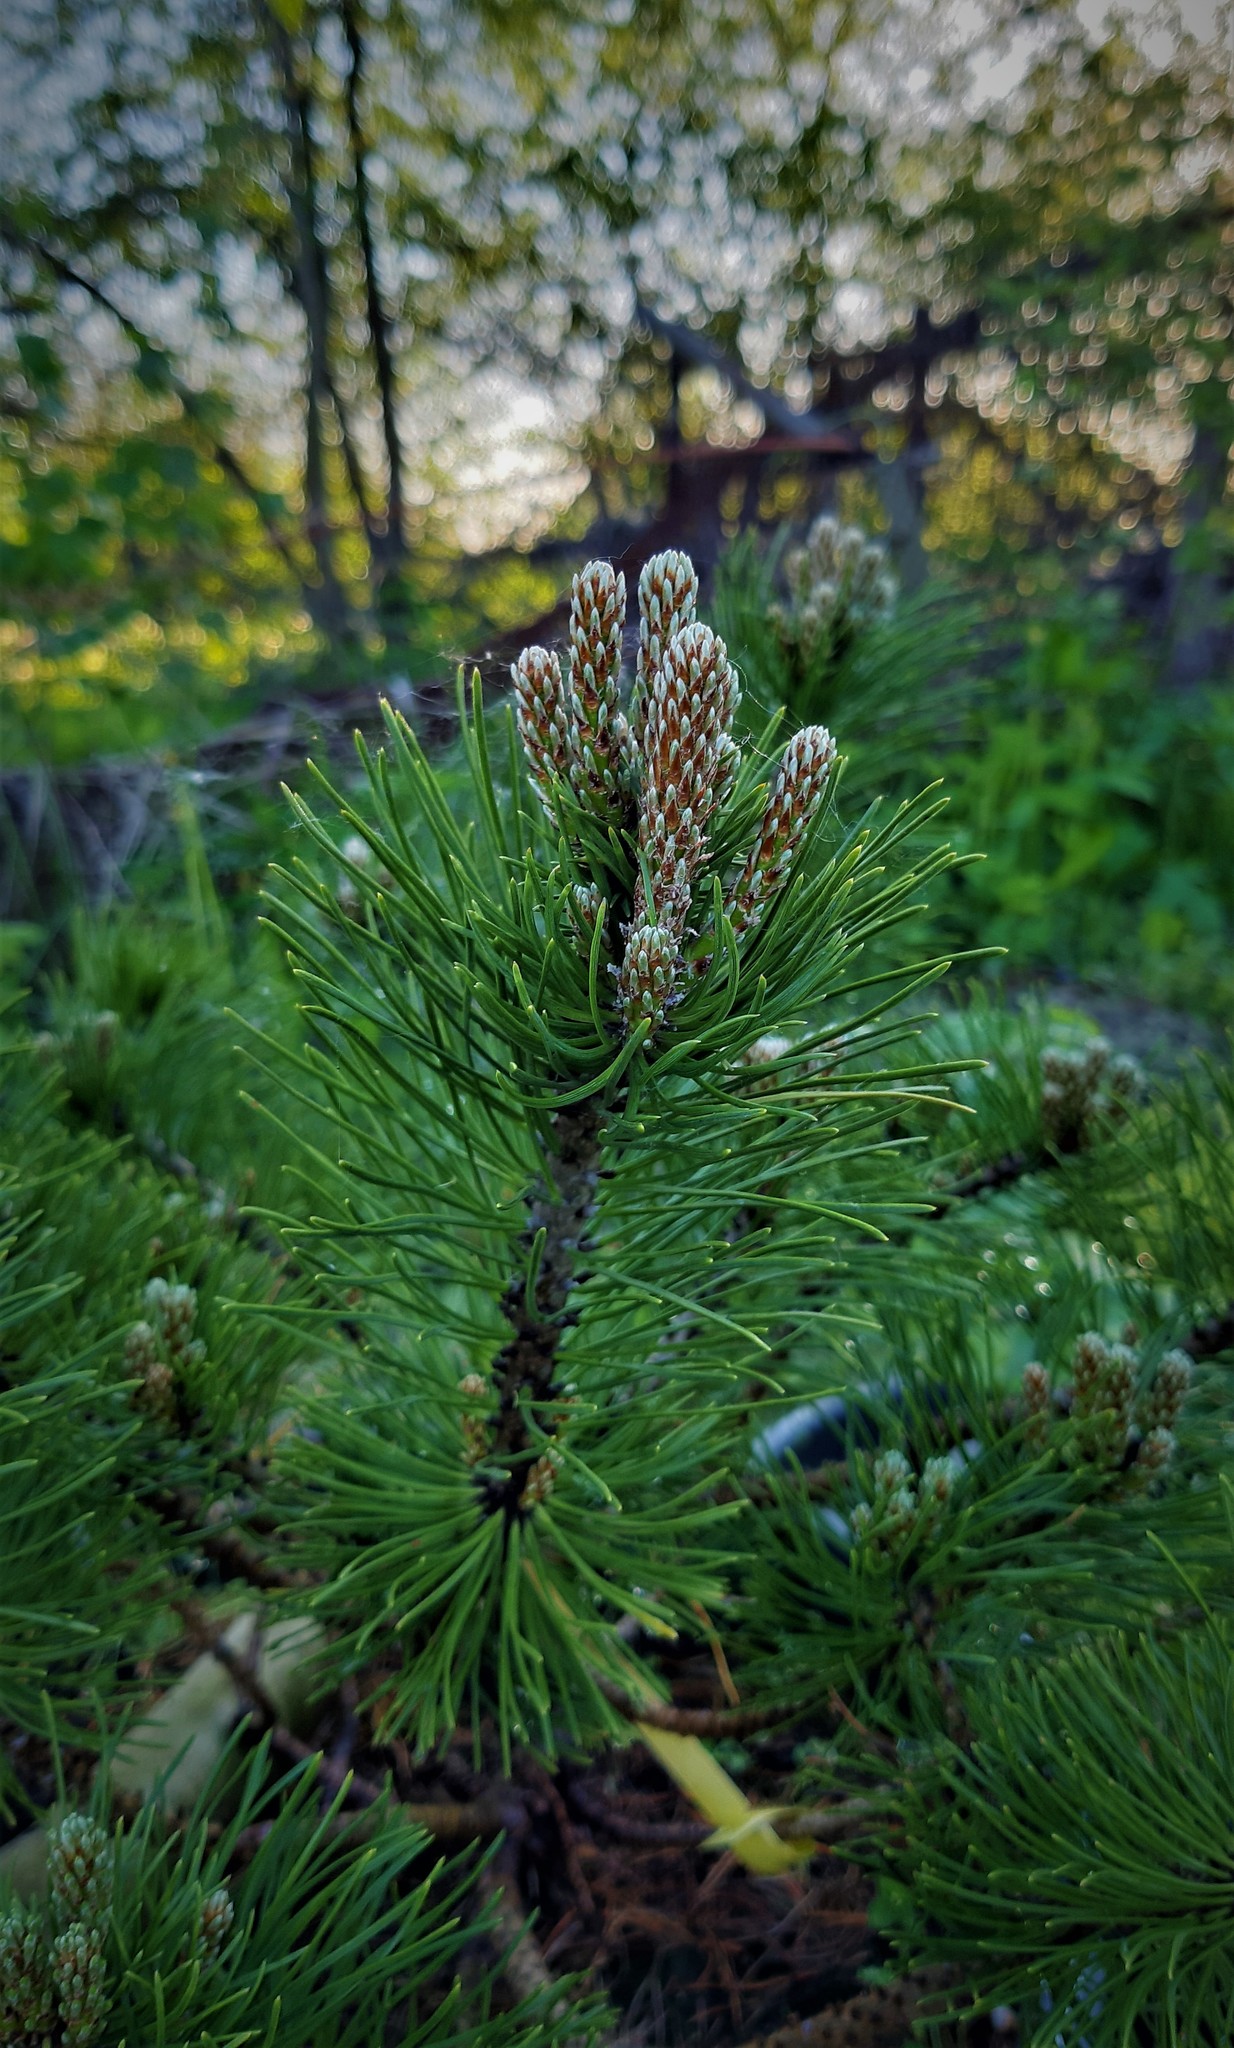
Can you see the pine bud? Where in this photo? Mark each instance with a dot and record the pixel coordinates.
(173, 1311)
(1080, 1085)
(892, 1471)
(900, 1512)
(217, 1915)
(1089, 1363)
(79, 1973)
(141, 1350)
(1103, 1398)
(585, 902)
(1066, 1097)
(80, 1870)
(795, 797)
(820, 558)
(540, 1481)
(27, 1994)
(474, 1387)
(815, 624)
(1168, 1392)
(596, 623)
(1054, 1119)
(647, 974)
(1035, 1386)
(840, 581)
(156, 1396)
(934, 1487)
(1118, 1383)
(667, 597)
(1156, 1452)
(545, 722)
(871, 586)
(688, 763)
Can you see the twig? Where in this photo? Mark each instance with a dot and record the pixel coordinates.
(826, 1823)
(648, 1834)
(339, 1757)
(711, 1723)
(447, 1820)
(242, 1667)
(535, 1303)
(523, 1967)
(225, 1547)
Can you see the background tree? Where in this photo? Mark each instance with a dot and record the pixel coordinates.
(326, 273)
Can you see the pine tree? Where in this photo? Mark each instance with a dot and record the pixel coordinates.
(590, 1045)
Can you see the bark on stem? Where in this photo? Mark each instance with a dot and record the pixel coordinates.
(537, 1314)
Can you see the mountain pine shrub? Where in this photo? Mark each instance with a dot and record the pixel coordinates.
(647, 1271)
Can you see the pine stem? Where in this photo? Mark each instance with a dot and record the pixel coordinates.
(537, 1313)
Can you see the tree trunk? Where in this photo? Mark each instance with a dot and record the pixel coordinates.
(1198, 636)
(307, 276)
(898, 484)
(390, 545)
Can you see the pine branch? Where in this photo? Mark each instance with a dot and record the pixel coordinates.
(450, 1822)
(522, 1964)
(526, 1363)
(235, 1559)
(669, 1834)
(711, 1724)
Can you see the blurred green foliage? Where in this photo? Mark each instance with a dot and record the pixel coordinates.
(1096, 799)
(1103, 805)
